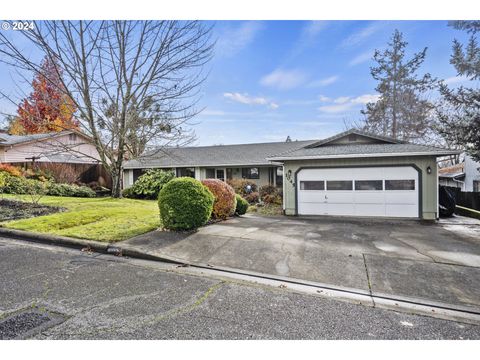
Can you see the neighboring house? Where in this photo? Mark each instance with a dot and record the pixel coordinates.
(465, 176)
(349, 174)
(65, 147)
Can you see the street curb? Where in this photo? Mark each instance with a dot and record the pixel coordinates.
(54, 240)
(393, 302)
(101, 247)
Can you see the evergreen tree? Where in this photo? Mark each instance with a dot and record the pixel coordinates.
(402, 111)
(459, 114)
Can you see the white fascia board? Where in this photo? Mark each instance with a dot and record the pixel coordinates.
(343, 156)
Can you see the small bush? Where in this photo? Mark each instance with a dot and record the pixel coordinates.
(148, 185)
(35, 189)
(242, 205)
(252, 198)
(10, 169)
(267, 190)
(269, 194)
(185, 204)
(225, 201)
(15, 185)
(240, 186)
(70, 190)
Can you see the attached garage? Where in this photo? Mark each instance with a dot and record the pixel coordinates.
(359, 191)
(360, 174)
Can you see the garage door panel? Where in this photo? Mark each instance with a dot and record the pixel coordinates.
(401, 210)
(341, 197)
(369, 197)
(312, 209)
(311, 196)
(340, 209)
(399, 199)
(370, 209)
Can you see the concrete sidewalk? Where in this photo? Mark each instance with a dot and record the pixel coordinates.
(435, 262)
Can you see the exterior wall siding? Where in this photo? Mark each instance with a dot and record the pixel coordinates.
(201, 174)
(19, 153)
(429, 188)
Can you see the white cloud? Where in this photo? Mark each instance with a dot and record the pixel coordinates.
(324, 98)
(234, 39)
(323, 82)
(361, 35)
(346, 103)
(250, 100)
(312, 29)
(283, 79)
(454, 80)
(361, 58)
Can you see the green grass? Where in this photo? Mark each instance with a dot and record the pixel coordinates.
(101, 219)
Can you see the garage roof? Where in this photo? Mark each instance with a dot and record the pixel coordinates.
(363, 145)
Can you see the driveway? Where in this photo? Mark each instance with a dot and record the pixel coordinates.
(439, 262)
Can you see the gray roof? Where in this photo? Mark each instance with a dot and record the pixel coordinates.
(362, 150)
(220, 155)
(7, 139)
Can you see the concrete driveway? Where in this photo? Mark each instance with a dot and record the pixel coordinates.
(438, 262)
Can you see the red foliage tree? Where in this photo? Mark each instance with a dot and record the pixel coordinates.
(48, 108)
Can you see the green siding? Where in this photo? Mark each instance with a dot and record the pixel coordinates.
(429, 188)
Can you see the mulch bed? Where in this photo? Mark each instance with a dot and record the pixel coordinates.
(14, 210)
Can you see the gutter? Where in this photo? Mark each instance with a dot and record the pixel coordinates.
(349, 156)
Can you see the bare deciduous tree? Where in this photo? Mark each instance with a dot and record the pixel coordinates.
(134, 83)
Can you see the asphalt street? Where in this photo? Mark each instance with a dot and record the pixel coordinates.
(50, 292)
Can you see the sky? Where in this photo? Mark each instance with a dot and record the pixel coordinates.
(304, 79)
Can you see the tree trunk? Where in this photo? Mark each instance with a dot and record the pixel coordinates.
(117, 183)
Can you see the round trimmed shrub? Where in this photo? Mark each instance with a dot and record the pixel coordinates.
(242, 205)
(225, 201)
(185, 204)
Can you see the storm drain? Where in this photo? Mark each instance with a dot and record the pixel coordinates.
(28, 322)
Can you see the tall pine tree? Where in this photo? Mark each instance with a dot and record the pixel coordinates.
(459, 114)
(47, 108)
(402, 110)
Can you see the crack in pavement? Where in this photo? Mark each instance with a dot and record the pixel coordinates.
(368, 279)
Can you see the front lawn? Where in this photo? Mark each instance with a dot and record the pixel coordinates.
(101, 219)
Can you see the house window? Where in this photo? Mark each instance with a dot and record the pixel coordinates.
(368, 185)
(312, 185)
(187, 172)
(221, 174)
(72, 137)
(399, 184)
(210, 173)
(476, 185)
(251, 173)
(340, 185)
(279, 176)
(137, 173)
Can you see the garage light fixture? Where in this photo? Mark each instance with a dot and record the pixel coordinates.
(429, 170)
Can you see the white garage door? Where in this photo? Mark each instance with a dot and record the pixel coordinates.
(369, 191)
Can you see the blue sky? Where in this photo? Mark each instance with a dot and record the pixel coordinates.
(303, 79)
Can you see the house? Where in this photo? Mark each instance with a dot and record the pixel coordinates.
(247, 161)
(349, 174)
(465, 176)
(64, 147)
